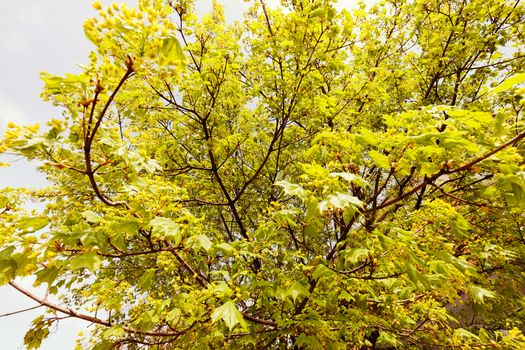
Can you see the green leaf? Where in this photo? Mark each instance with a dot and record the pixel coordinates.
(479, 294)
(362, 301)
(344, 295)
(461, 333)
(296, 290)
(340, 201)
(91, 217)
(104, 344)
(114, 332)
(91, 261)
(199, 242)
(229, 314)
(8, 269)
(428, 169)
(37, 333)
(462, 265)
(248, 341)
(147, 279)
(22, 260)
(171, 51)
(221, 290)
(353, 256)
(173, 316)
(166, 228)
(32, 224)
(319, 12)
(226, 248)
(72, 219)
(367, 137)
(484, 336)
(499, 123)
(379, 159)
(130, 228)
(352, 178)
(337, 346)
(147, 320)
(47, 275)
(321, 271)
(4, 201)
(315, 170)
(97, 240)
(419, 280)
(386, 242)
(119, 240)
(292, 189)
(123, 230)
(509, 83)
(387, 339)
(307, 342)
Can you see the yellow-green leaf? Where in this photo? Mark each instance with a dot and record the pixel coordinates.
(509, 83)
(229, 314)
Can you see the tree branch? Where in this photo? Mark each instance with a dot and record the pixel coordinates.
(20, 311)
(92, 319)
(90, 136)
(443, 171)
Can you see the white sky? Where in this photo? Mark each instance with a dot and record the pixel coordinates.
(47, 35)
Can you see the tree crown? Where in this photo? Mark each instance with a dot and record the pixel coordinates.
(305, 178)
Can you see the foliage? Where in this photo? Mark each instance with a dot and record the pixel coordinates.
(308, 178)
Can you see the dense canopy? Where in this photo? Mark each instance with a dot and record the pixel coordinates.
(307, 178)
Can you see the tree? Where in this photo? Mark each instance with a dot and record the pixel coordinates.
(308, 179)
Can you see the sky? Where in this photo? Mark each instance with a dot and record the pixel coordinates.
(47, 35)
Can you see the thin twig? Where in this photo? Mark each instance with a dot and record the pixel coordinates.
(20, 311)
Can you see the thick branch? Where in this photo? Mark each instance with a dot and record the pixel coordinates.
(197, 275)
(429, 180)
(92, 319)
(90, 135)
